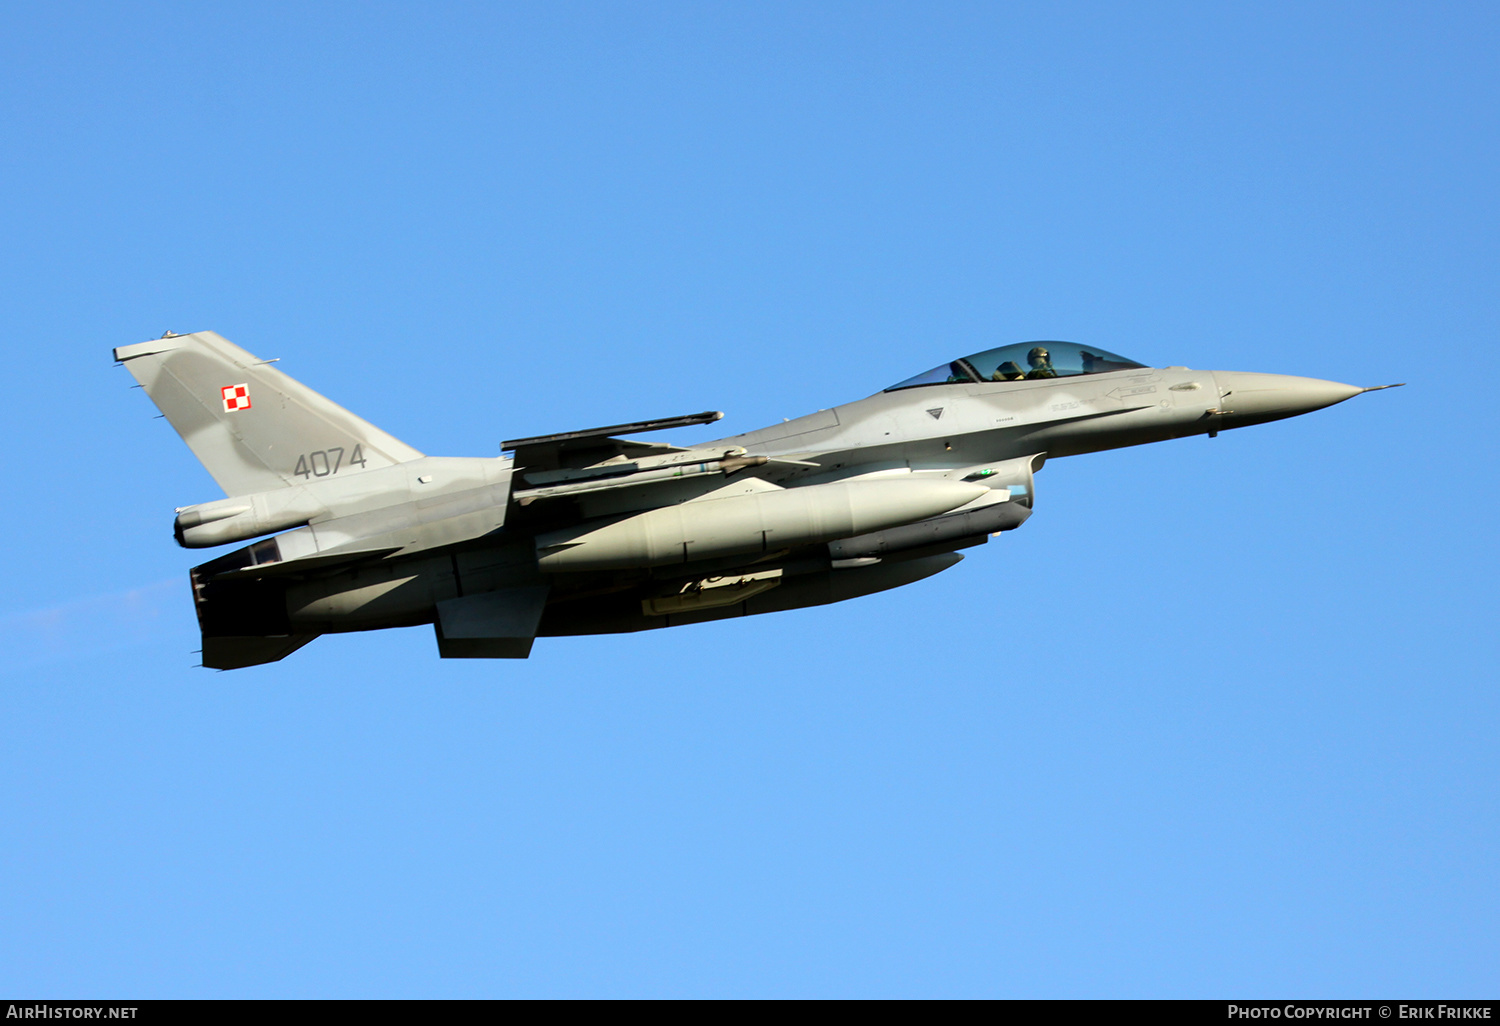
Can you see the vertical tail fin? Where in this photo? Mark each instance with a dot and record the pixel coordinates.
(252, 427)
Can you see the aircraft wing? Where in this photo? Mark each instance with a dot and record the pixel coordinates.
(578, 464)
(577, 449)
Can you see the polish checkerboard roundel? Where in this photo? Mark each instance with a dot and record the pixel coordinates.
(236, 397)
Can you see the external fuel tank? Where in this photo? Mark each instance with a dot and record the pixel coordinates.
(745, 524)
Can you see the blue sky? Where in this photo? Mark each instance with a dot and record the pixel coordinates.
(1219, 720)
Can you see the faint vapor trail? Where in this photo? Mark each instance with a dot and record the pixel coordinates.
(92, 626)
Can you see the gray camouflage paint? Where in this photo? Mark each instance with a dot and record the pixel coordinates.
(377, 535)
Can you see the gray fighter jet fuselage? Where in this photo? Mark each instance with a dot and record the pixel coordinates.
(586, 532)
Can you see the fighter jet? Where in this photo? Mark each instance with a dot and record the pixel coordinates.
(590, 532)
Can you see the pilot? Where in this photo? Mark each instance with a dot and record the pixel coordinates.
(1007, 371)
(1041, 364)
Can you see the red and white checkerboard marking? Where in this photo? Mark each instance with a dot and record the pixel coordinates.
(236, 397)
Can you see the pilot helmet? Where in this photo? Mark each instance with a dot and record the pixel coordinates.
(1039, 357)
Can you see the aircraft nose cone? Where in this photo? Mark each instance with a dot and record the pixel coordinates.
(1247, 398)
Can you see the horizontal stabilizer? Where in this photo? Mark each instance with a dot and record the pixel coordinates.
(492, 625)
(236, 653)
(336, 559)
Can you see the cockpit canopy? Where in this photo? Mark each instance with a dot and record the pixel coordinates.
(1024, 361)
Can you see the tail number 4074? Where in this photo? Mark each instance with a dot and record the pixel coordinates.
(328, 461)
